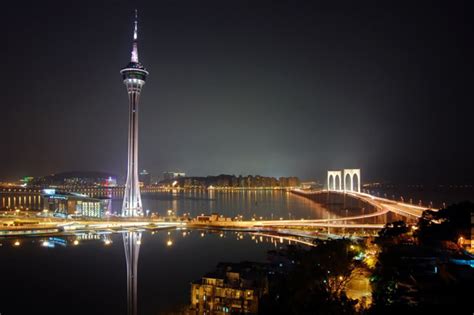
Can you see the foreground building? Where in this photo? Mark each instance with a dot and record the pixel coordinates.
(231, 289)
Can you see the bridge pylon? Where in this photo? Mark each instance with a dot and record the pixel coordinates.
(344, 180)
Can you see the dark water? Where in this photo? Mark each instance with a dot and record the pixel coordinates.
(90, 278)
(251, 203)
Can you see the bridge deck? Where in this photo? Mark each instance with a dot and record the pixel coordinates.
(383, 204)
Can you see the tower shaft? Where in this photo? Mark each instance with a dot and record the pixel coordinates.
(132, 202)
(131, 243)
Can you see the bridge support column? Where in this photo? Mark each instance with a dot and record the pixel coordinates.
(351, 173)
(335, 175)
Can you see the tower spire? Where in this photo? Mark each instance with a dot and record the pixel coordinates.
(135, 39)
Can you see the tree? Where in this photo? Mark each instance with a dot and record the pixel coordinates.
(316, 283)
(393, 229)
(447, 224)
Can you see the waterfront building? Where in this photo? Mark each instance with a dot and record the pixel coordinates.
(231, 289)
(26, 180)
(289, 181)
(231, 181)
(73, 204)
(311, 185)
(472, 232)
(75, 179)
(173, 175)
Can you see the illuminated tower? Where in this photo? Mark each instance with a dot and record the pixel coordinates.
(134, 77)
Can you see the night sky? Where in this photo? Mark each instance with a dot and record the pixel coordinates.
(242, 87)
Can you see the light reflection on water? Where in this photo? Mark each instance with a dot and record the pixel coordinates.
(258, 204)
(89, 271)
(249, 203)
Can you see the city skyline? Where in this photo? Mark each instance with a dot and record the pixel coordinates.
(315, 158)
(238, 90)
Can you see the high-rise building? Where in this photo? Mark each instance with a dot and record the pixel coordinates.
(173, 175)
(75, 180)
(134, 76)
(231, 289)
(145, 178)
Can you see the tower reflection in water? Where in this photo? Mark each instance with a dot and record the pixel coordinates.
(131, 243)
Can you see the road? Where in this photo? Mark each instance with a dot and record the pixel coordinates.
(383, 204)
